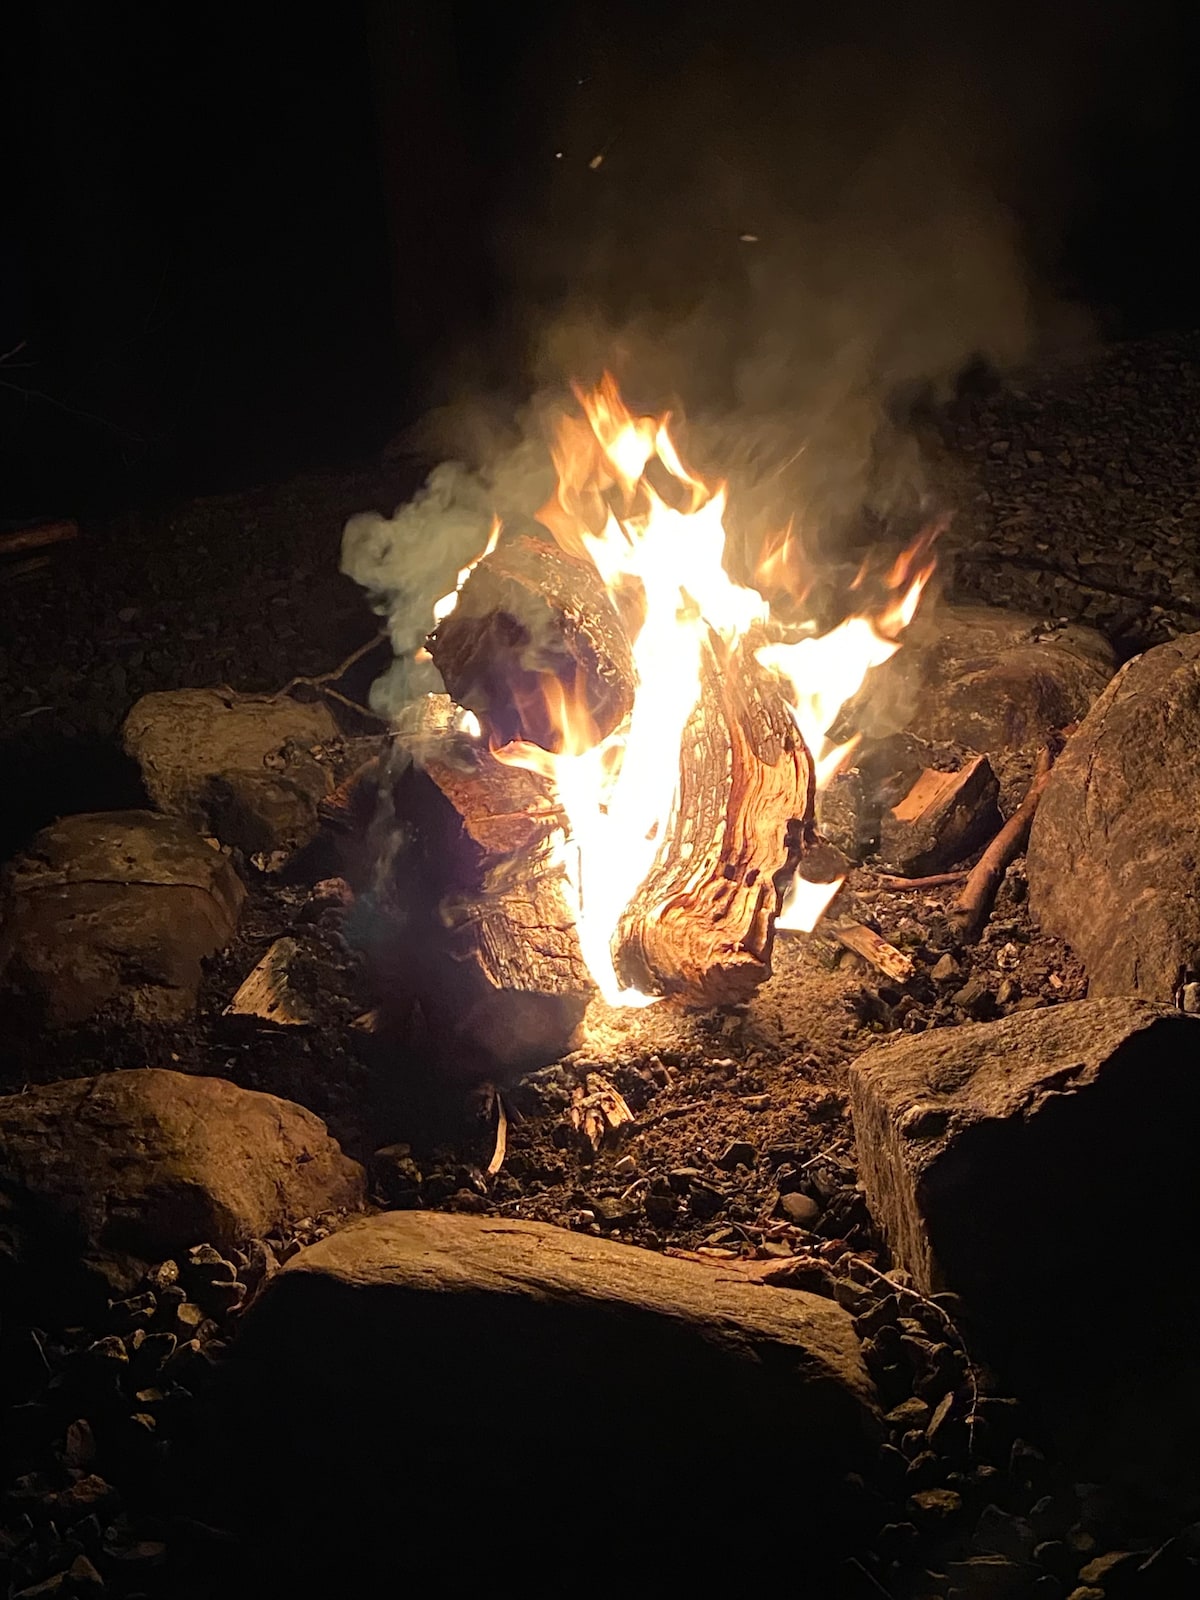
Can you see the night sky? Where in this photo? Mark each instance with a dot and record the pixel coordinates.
(238, 244)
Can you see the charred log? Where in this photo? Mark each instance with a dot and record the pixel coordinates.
(529, 618)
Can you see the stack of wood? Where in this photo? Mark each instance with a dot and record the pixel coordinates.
(480, 929)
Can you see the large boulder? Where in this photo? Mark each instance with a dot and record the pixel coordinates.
(1114, 855)
(1042, 1167)
(114, 907)
(429, 1378)
(988, 679)
(241, 767)
(100, 1176)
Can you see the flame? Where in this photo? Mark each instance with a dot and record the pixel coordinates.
(655, 533)
(443, 607)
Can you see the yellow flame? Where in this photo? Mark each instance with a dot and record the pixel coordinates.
(665, 540)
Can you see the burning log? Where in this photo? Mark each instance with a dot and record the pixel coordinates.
(530, 615)
(943, 818)
(702, 924)
(473, 924)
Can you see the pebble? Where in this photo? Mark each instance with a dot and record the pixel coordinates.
(910, 1413)
(930, 1507)
(1108, 1570)
(800, 1209)
(738, 1153)
(976, 998)
(945, 969)
(1000, 1533)
(1086, 1591)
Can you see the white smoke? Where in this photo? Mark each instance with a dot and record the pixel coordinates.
(407, 562)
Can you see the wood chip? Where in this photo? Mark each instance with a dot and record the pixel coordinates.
(268, 994)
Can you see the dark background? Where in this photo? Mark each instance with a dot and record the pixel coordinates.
(241, 243)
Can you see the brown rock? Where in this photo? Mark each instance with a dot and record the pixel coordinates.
(989, 679)
(1014, 1162)
(1115, 848)
(115, 906)
(408, 1333)
(237, 766)
(135, 1167)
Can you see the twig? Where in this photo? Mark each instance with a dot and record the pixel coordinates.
(323, 679)
(864, 942)
(45, 533)
(936, 880)
(974, 905)
(498, 1154)
(672, 1111)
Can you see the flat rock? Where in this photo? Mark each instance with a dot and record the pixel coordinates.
(117, 906)
(238, 766)
(989, 679)
(1114, 854)
(1016, 1162)
(133, 1167)
(522, 1365)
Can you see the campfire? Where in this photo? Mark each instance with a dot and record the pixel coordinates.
(617, 793)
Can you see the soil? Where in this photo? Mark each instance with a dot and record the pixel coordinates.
(1079, 498)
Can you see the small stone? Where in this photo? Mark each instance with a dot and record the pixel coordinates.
(208, 1265)
(1008, 992)
(84, 1577)
(136, 1312)
(1115, 1567)
(738, 1153)
(682, 1178)
(626, 1167)
(1189, 999)
(1000, 1533)
(90, 1495)
(1055, 1557)
(924, 1470)
(929, 1507)
(79, 1447)
(976, 998)
(947, 1432)
(47, 1590)
(989, 1577)
(660, 1209)
(800, 1209)
(188, 1318)
(108, 1353)
(612, 1212)
(945, 969)
(910, 1413)
(705, 1200)
(1086, 1591)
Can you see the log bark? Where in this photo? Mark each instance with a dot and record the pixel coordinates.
(533, 623)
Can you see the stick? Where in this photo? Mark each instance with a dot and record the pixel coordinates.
(974, 905)
(12, 544)
(936, 880)
(890, 961)
(322, 681)
(501, 1149)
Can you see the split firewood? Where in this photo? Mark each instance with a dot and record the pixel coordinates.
(943, 818)
(865, 942)
(268, 995)
(37, 538)
(531, 625)
(701, 926)
(469, 918)
(974, 905)
(597, 1110)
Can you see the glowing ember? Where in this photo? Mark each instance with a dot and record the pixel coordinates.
(655, 534)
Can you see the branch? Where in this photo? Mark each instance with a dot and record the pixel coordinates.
(323, 680)
(974, 905)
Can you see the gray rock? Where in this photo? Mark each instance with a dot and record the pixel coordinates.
(114, 907)
(800, 1209)
(374, 1343)
(131, 1167)
(1115, 846)
(234, 765)
(989, 1151)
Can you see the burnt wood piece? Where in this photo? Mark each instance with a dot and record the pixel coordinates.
(702, 925)
(943, 817)
(533, 623)
(468, 917)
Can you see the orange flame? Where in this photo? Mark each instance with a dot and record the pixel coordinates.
(625, 500)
